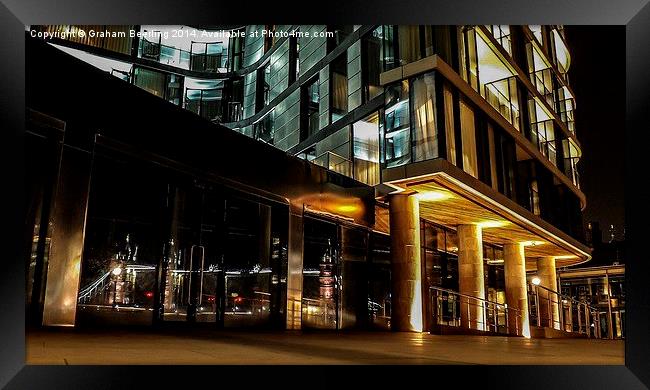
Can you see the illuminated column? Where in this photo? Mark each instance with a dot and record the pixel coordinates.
(516, 294)
(66, 245)
(294, 271)
(471, 278)
(549, 314)
(406, 278)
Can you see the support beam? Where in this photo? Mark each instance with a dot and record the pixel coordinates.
(548, 302)
(516, 293)
(471, 278)
(406, 315)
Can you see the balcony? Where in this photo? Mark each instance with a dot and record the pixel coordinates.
(542, 80)
(502, 95)
(502, 35)
(184, 59)
(334, 162)
(204, 102)
(542, 134)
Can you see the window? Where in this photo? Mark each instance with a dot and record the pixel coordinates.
(468, 135)
(365, 138)
(269, 38)
(263, 129)
(164, 85)
(294, 59)
(450, 132)
(371, 57)
(310, 101)
(340, 33)
(408, 38)
(425, 134)
(263, 94)
(234, 95)
(501, 33)
(339, 87)
(206, 56)
(236, 48)
(397, 132)
(333, 152)
(489, 75)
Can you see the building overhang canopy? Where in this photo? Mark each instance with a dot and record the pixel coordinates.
(450, 197)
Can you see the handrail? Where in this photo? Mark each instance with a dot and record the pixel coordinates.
(468, 296)
(558, 312)
(485, 315)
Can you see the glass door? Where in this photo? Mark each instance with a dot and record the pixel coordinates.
(194, 269)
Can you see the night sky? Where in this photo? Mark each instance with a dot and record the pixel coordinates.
(597, 76)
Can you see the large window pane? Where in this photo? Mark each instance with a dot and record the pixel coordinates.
(366, 149)
(425, 134)
(397, 132)
(339, 91)
(468, 133)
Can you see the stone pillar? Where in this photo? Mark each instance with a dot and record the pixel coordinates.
(548, 303)
(294, 271)
(471, 278)
(516, 294)
(67, 241)
(406, 278)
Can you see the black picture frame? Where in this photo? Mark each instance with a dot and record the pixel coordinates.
(634, 14)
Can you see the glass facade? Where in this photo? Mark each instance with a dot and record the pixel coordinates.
(167, 247)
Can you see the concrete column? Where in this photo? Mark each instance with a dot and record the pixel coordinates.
(471, 278)
(548, 303)
(294, 271)
(406, 315)
(516, 294)
(67, 242)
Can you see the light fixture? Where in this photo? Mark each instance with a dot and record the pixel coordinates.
(492, 224)
(347, 208)
(536, 281)
(117, 271)
(432, 196)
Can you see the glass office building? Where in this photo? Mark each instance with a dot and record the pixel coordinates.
(405, 177)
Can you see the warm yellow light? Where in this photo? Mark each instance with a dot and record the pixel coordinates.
(536, 281)
(492, 224)
(564, 257)
(346, 208)
(117, 271)
(432, 196)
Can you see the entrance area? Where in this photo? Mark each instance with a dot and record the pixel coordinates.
(168, 246)
(346, 276)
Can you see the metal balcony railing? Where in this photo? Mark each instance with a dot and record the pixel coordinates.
(548, 308)
(165, 54)
(451, 308)
(334, 162)
(501, 95)
(542, 79)
(542, 134)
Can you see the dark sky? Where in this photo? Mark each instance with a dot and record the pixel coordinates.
(597, 76)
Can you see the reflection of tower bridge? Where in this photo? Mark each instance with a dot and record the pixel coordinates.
(117, 277)
(111, 286)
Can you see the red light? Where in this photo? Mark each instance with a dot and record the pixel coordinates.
(148, 294)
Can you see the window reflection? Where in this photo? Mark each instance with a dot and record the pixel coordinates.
(397, 132)
(366, 149)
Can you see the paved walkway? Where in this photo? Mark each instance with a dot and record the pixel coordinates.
(230, 347)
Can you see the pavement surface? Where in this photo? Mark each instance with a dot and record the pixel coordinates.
(74, 346)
